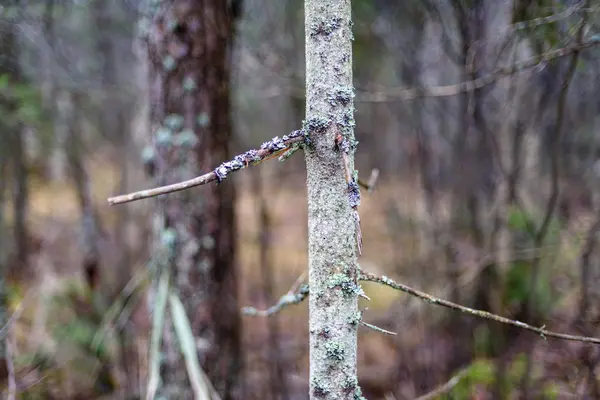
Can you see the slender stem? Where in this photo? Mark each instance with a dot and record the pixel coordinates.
(384, 280)
(267, 151)
(395, 94)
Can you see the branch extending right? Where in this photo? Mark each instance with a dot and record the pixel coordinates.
(384, 280)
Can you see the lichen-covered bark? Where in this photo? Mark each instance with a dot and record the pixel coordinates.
(188, 44)
(334, 315)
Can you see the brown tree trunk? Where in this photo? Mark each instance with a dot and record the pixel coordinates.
(189, 45)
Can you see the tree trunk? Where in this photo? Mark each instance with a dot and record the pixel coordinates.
(188, 47)
(332, 232)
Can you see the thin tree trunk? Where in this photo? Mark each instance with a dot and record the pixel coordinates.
(189, 52)
(20, 197)
(332, 236)
(81, 181)
(12, 151)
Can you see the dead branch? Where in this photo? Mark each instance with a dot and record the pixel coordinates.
(287, 299)
(443, 389)
(395, 94)
(384, 280)
(268, 150)
(296, 295)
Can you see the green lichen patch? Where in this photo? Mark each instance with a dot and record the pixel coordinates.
(189, 84)
(355, 318)
(345, 283)
(325, 28)
(335, 350)
(203, 120)
(342, 96)
(320, 388)
(174, 121)
(169, 63)
(186, 138)
(317, 125)
(163, 136)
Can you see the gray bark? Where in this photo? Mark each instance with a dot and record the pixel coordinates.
(191, 133)
(332, 232)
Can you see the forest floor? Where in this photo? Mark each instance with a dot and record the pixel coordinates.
(391, 247)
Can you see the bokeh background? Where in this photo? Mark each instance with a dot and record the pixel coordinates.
(486, 197)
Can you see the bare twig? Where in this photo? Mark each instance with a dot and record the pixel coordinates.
(377, 329)
(384, 280)
(532, 23)
(395, 94)
(270, 149)
(372, 182)
(296, 295)
(445, 388)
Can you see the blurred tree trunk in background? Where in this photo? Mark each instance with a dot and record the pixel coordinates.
(12, 131)
(473, 176)
(113, 119)
(57, 157)
(12, 158)
(76, 154)
(189, 44)
(4, 317)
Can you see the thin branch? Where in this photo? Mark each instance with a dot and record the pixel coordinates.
(377, 329)
(268, 150)
(296, 295)
(395, 94)
(372, 182)
(384, 280)
(445, 388)
(532, 23)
